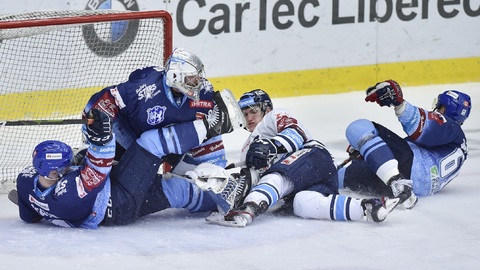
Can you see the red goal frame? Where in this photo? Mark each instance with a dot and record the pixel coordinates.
(168, 24)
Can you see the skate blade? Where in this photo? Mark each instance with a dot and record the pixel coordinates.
(390, 204)
(219, 219)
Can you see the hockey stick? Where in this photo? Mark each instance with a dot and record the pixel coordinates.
(345, 162)
(13, 196)
(352, 154)
(43, 122)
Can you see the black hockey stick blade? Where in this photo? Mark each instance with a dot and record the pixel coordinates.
(43, 122)
(13, 196)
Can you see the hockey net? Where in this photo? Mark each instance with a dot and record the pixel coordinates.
(53, 61)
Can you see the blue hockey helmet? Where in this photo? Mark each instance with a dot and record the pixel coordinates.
(256, 97)
(457, 105)
(52, 155)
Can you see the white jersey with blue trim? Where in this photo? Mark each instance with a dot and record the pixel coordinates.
(281, 126)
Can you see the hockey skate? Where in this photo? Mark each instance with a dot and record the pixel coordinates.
(239, 217)
(231, 192)
(403, 189)
(377, 210)
(286, 209)
(227, 189)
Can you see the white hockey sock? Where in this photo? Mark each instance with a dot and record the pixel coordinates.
(270, 188)
(388, 170)
(314, 205)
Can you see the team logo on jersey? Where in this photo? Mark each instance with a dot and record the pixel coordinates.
(156, 115)
(117, 37)
(204, 104)
(61, 187)
(147, 91)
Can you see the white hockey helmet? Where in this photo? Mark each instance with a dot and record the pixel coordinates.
(184, 71)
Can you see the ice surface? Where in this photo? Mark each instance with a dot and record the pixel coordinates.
(441, 232)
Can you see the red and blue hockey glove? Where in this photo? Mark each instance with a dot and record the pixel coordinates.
(385, 93)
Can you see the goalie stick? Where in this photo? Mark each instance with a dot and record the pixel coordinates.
(13, 196)
(234, 111)
(44, 122)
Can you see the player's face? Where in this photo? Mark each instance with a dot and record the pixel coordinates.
(193, 81)
(253, 115)
(59, 173)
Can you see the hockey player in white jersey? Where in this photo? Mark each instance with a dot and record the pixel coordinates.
(283, 160)
(421, 164)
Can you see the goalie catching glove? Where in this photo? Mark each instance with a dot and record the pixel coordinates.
(98, 130)
(385, 93)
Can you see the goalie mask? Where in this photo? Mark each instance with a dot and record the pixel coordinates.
(184, 71)
(457, 105)
(256, 98)
(52, 155)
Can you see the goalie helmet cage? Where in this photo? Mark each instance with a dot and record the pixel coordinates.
(53, 61)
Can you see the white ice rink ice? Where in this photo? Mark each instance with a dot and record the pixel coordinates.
(441, 232)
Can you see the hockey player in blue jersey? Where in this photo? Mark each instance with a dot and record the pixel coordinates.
(94, 194)
(421, 164)
(66, 195)
(157, 97)
(283, 161)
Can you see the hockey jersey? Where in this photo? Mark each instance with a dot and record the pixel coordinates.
(145, 102)
(281, 126)
(439, 146)
(78, 199)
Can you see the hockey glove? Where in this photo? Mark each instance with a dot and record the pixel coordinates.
(385, 93)
(98, 132)
(260, 153)
(218, 122)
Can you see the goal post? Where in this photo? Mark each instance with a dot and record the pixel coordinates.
(53, 61)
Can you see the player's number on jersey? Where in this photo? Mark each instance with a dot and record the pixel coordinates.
(451, 163)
